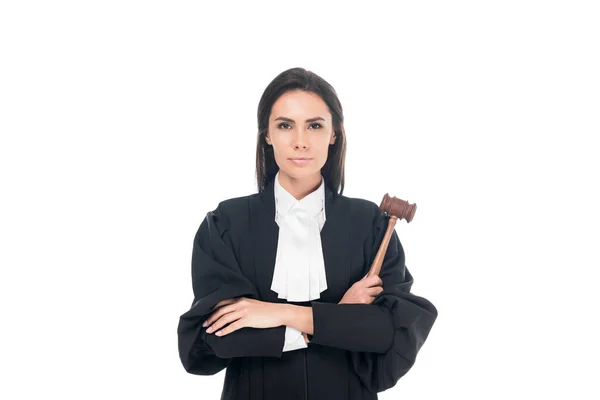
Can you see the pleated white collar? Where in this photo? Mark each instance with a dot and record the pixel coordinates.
(299, 273)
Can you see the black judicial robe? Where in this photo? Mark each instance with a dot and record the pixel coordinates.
(356, 350)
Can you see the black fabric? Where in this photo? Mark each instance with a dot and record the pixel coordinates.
(356, 350)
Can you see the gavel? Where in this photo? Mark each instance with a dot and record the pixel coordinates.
(397, 209)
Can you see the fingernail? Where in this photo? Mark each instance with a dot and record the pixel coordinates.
(209, 330)
(204, 324)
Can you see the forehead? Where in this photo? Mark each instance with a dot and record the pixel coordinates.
(300, 103)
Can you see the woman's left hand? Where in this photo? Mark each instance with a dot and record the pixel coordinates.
(243, 312)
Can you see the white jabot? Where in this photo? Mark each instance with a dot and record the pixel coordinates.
(299, 273)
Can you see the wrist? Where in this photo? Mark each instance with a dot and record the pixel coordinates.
(285, 313)
(299, 317)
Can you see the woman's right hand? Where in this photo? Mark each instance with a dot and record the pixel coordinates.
(363, 291)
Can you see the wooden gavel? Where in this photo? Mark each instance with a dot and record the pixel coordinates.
(397, 209)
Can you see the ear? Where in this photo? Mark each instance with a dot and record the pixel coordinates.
(332, 140)
(268, 139)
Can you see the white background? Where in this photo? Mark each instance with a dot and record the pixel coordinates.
(124, 122)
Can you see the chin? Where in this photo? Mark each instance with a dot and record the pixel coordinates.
(299, 172)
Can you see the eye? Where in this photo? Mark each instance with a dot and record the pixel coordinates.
(319, 125)
(280, 125)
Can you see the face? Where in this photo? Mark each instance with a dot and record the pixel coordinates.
(300, 127)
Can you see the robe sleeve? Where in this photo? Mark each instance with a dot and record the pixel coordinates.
(216, 276)
(387, 334)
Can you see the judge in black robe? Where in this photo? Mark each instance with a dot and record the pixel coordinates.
(356, 350)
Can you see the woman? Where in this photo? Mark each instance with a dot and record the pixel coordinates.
(281, 296)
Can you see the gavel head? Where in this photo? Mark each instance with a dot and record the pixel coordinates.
(398, 207)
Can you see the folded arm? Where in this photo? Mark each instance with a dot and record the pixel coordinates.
(216, 276)
(383, 337)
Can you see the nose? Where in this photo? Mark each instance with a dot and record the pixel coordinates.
(300, 140)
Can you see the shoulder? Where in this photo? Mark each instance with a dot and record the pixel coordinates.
(362, 211)
(358, 206)
(226, 216)
(233, 208)
(235, 204)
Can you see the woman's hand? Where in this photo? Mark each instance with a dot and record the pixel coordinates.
(363, 291)
(243, 312)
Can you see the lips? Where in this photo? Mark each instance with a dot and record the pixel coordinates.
(300, 160)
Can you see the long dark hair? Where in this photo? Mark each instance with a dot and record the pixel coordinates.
(291, 79)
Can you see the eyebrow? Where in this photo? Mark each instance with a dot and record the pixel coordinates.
(308, 120)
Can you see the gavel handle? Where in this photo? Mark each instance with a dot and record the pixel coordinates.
(378, 261)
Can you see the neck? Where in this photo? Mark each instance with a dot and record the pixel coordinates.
(299, 188)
